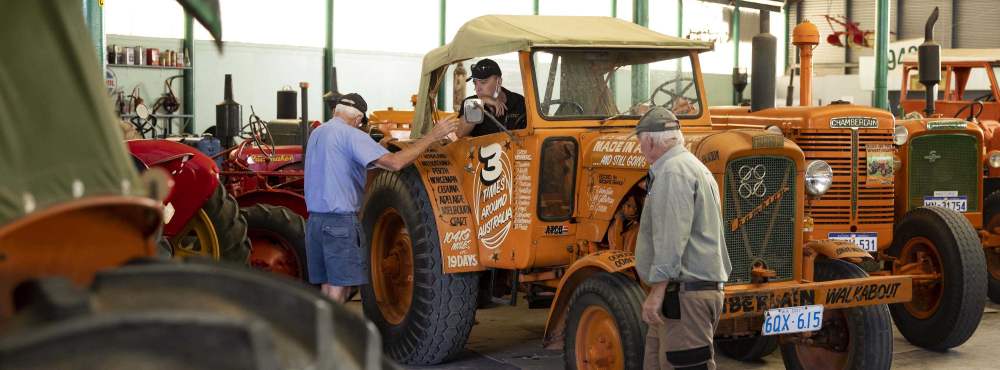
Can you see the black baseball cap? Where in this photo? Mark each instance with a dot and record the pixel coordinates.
(657, 119)
(355, 100)
(484, 68)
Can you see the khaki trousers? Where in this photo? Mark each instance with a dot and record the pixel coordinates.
(686, 344)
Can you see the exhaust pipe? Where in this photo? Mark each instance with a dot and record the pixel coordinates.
(929, 63)
(304, 124)
(228, 116)
(764, 57)
(805, 36)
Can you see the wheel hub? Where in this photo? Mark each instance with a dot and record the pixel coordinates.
(598, 341)
(920, 257)
(392, 267)
(271, 253)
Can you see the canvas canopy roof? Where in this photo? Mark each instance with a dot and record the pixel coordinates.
(962, 55)
(499, 34)
(59, 138)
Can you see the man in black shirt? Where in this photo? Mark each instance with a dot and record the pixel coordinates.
(505, 105)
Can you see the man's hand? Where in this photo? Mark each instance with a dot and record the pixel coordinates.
(499, 108)
(654, 302)
(443, 128)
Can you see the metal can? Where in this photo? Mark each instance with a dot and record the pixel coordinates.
(119, 56)
(153, 56)
(173, 58)
(129, 56)
(180, 59)
(140, 55)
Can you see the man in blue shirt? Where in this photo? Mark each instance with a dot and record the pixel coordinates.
(335, 172)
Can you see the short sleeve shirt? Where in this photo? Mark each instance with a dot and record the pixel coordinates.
(337, 161)
(513, 118)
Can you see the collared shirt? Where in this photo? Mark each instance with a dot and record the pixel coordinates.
(513, 118)
(681, 237)
(336, 167)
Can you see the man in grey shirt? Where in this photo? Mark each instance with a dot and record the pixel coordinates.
(681, 251)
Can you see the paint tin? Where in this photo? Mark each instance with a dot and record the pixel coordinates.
(140, 55)
(129, 55)
(153, 56)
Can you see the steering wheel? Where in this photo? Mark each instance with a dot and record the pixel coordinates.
(561, 102)
(258, 134)
(973, 115)
(669, 92)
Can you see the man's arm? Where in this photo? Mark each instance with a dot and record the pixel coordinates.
(673, 210)
(399, 160)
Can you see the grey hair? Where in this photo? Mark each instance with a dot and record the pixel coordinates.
(347, 111)
(665, 139)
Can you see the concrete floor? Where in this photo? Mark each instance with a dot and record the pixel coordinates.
(510, 338)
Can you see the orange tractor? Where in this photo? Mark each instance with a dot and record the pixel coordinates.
(552, 210)
(970, 93)
(78, 286)
(905, 191)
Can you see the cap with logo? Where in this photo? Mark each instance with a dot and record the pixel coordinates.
(484, 68)
(657, 119)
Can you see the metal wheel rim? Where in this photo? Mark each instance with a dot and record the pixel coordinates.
(197, 238)
(392, 267)
(272, 253)
(926, 294)
(822, 358)
(598, 341)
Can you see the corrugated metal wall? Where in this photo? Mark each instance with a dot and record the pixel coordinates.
(978, 24)
(827, 59)
(914, 15)
(863, 12)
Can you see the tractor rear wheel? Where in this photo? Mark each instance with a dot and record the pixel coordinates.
(604, 328)
(852, 338)
(991, 223)
(948, 302)
(277, 239)
(748, 349)
(425, 315)
(217, 231)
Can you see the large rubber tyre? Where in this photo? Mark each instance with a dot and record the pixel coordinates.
(227, 225)
(869, 333)
(748, 349)
(961, 298)
(278, 240)
(991, 222)
(230, 226)
(435, 323)
(606, 309)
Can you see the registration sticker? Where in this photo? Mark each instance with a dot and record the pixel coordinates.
(793, 320)
(866, 241)
(958, 203)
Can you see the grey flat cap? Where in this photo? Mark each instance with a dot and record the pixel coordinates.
(656, 120)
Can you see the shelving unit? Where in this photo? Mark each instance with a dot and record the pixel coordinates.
(142, 66)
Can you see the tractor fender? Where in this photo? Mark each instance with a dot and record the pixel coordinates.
(603, 261)
(195, 177)
(276, 197)
(455, 222)
(839, 250)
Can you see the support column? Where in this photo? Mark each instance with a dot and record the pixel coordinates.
(613, 80)
(882, 55)
(93, 14)
(736, 48)
(189, 73)
(640, 74)
(536, 8)
(440, 99)
(328, 59)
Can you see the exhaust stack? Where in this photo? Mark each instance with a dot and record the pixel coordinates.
(805, 36)
(929, 63)
(304, 125)
(765, 47)
(228, 116)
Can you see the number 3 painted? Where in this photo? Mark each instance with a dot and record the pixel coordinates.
(489, 156)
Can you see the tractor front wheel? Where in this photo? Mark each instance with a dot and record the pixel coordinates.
(217, 231)
(851, 338)
(604, 328)
(942, 248)
(425, 315)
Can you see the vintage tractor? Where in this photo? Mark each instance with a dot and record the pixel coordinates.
(906, 191)
(967, 72)
(553, 210)
(73, 210)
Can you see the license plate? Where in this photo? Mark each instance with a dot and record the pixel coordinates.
(793, 320)
(958, 203)
(866, 241)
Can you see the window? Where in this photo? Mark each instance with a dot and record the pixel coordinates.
(557, 177)
(591, 84)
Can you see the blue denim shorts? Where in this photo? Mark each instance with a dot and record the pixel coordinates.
(335, 251)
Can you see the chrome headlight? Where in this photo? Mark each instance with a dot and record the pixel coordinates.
(819, 177)
(900, 135)
(994, 159)
(774, 130)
